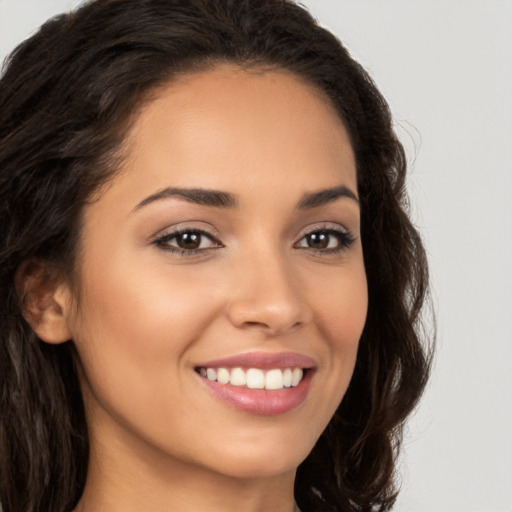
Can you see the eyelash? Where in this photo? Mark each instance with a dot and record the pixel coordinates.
(164, 240)
(345, 240)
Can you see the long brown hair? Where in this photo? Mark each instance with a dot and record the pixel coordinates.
(67, 96)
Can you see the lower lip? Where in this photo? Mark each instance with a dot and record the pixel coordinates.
(261, 401)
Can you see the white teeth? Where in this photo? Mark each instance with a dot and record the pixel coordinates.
(223, 376)
(274, 379)
(297, 376)
(238, 377)
(255, 378)
(287, 378)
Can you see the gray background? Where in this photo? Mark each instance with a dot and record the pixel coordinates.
(446, 68)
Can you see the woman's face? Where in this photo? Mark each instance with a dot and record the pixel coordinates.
(229, 240)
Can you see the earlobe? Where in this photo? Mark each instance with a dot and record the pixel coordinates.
(45, 301)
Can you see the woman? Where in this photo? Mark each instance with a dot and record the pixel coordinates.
(210, 286)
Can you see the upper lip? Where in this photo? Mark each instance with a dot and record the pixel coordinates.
(263, 360)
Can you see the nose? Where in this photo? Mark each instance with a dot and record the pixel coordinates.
(267, 295)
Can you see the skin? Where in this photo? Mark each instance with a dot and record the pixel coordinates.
(147, 316)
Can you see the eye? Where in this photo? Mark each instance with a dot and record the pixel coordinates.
(326, 240)
(187, 241)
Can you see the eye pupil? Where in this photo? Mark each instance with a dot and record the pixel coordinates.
(188, 240)
(318, 240)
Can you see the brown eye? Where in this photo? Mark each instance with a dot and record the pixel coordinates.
(327, 240)
(187, 241)
(318, 240)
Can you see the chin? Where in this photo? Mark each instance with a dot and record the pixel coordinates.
(262, 460)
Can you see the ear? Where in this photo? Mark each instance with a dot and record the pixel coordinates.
(46, 301)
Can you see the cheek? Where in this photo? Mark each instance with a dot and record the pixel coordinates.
(143, 307)
(346, 315)
(342, 316)
(133, 338)
(135, 326)
(342, 308)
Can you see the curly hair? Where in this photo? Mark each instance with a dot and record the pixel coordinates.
(68, 96)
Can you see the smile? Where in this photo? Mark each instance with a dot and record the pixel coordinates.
(255, 378)
(258, 382)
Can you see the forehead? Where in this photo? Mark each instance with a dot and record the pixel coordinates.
(235, 129)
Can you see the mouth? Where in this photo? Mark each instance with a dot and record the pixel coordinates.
(255, 378)
(259, 383)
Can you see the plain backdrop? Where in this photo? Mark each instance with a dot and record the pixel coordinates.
(445, 66)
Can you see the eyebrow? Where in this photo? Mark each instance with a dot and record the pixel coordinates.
(219, 199)
(200, 196)
(326, 196)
